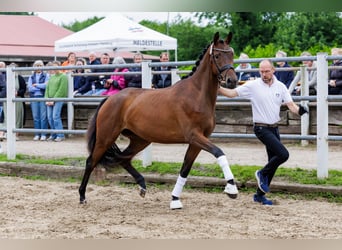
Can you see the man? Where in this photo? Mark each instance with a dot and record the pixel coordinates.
(267, 94)
(287, 76)
(162, 80)
(134, 81)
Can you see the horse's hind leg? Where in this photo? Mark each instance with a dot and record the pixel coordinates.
(136, 145)
(190, 156)
(89, 168)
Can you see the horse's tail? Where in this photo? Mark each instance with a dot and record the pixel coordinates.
(91, 132)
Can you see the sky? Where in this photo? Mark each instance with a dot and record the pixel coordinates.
(66, 18)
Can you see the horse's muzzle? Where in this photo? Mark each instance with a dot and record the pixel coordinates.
(230, 83)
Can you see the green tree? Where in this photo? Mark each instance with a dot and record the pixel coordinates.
(249, 28)
(77, 25)
(191, 38)
(301, 31)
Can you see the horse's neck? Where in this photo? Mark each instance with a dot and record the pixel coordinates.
(206, 82)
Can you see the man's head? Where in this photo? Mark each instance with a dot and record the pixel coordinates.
(281, 54)
(92, 56)
(138, 57)
(306, 62)
(105, 58)
(336, 52)
(164, 57)
(266, 70)
(243, 56)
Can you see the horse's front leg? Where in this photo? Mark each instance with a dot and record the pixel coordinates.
(231, 188)
(190, 156)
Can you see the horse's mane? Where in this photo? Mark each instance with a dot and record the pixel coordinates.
(194, 68)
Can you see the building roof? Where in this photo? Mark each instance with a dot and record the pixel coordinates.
(29, 36)
(34, 37)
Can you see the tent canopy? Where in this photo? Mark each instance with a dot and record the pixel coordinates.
(116, 32)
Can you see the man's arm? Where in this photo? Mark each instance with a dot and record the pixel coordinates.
(228, 92)
(294, 108)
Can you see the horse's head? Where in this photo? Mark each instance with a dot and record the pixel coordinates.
(222, 58)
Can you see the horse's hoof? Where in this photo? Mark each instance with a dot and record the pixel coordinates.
(142, 192)
(83, 202)
(232, 196)
(231, 191)
(176, 204)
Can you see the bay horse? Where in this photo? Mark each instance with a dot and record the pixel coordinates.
(181, 113)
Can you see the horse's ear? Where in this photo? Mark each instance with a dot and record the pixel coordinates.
(229, 38)
(216, 37)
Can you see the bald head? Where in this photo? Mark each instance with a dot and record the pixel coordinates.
(266, 63)
(266, 70)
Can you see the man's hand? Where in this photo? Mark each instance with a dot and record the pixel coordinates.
(302, 110)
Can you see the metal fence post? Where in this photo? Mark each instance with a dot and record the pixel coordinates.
(322, 116)
(174, 76)
(10, 112)
(146, 83)
(305, 119)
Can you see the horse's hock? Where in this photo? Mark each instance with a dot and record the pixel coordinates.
(230, 118)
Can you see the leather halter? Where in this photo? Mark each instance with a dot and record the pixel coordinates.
(224, 67)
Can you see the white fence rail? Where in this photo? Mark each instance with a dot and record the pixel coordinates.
(322, 99)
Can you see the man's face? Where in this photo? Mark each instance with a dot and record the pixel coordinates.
(164, 58)
(137, 59)
(92, 57)
(105, 59)
(266, 72)
(307, 63)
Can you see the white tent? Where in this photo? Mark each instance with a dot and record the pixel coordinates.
(116, 32)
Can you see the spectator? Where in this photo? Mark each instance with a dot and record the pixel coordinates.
(162, 80)
(2, 95)
(245, 75)
(116, 82)
(36, 88)
(57, 87)
(79, 80)
(335, 75)
(312, 77)
(134, 81)
(85, 88)
(267, 94)
(71, 60)
(285, 77)
(20, 89)
(95, 84)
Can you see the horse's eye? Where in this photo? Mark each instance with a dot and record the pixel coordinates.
(217, 56)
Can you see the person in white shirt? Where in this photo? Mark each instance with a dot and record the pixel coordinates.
(266, 94)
